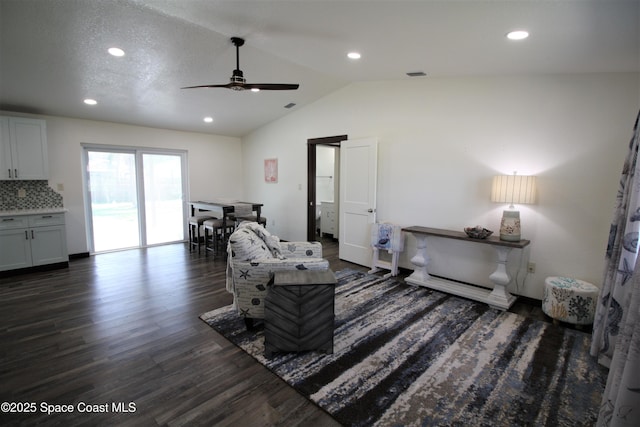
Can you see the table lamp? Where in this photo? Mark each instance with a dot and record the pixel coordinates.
(512, 189)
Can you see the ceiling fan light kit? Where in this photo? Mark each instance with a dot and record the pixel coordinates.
(239, 83)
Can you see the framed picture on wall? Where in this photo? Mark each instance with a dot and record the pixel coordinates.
(271, 170)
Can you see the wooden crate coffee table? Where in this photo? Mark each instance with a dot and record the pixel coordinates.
(299, 312)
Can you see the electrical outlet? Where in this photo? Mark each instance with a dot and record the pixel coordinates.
(22, 193)
(531, 267)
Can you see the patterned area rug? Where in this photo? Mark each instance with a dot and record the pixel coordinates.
(406, 355)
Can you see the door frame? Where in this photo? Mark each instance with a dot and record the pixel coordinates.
(312, 143)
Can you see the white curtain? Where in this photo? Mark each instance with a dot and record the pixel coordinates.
(616, 329)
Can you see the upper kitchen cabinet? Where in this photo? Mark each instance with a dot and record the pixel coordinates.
(23, 149)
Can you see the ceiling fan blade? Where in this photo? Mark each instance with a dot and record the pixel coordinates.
(271, 86)
(238, 81)
(228, 85)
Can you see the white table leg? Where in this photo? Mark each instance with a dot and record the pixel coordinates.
(420, 260)
(500, 296)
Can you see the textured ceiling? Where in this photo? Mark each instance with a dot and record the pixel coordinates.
(53, 52)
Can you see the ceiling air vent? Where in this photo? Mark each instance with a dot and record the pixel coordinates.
(290, 105)
(417, 74)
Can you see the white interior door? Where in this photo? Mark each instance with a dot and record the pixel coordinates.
(358, 180)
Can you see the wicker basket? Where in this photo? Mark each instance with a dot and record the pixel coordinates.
(478, 232)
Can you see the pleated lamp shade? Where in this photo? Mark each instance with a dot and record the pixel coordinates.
(512, 189)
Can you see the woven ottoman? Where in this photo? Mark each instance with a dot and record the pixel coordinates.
(569, 300)
(299, 311)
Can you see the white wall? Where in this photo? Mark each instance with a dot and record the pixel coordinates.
(214, 162)
(440, 142)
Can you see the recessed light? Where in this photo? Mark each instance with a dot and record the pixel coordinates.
(90, 101)
(116, 51)
(517, 35)
(290, 105)
(416, 74)
(208, 119)
(353, 55)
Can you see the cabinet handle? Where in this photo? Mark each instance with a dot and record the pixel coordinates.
(26, 235)
(47, 216)
(32, 235)
(9, 173)
(15, 172)
(7, 219)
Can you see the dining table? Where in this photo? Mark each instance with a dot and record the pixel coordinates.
(223, 206)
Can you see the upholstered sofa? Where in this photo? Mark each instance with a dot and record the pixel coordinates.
(254, 255)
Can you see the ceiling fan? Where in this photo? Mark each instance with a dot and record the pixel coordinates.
(238, 82)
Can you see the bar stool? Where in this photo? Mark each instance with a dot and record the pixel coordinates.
(244, 212)
(219, 233)
(195, 222)
(253, 218)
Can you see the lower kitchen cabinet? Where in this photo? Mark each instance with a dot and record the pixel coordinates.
(32, 240)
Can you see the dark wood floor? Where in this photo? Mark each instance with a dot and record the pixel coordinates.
(123, 327)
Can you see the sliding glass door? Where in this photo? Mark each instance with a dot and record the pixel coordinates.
(163, 182)
(134, 197)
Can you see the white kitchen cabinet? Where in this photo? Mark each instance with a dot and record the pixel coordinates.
(32, 240)
(329, 221)
(15, 249)
(23, 149)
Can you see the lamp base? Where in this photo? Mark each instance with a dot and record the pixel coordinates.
(510, 226)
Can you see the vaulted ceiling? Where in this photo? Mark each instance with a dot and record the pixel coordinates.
(53, 53)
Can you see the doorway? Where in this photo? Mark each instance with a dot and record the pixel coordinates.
(312, 180)
(133, 197)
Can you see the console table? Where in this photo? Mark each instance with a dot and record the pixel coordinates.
(499, 297)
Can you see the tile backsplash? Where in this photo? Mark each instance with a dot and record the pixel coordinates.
(38, 195)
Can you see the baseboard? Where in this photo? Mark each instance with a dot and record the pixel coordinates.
(18, 271)
(79, 255)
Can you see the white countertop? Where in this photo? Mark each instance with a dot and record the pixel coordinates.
(16, 212)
